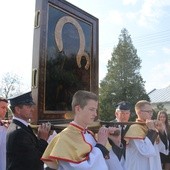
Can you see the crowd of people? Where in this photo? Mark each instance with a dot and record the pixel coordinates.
(141, 145)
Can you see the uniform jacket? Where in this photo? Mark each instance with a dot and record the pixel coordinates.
(24, 149)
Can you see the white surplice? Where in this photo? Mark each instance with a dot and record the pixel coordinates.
(114, 163)
(141, 154)
(3, 131)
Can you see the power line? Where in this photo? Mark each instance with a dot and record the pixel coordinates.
(161, 33)
(154, 40)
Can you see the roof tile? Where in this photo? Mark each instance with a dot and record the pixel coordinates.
(160, 95)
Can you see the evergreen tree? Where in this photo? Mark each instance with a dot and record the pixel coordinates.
(123, 81)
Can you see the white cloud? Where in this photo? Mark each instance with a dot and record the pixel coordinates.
(115, 17)
(162, 70)
(166, 50)
(127, 2)
(147, 13)
(17, 38)
(151, 53)
(132, 15)
(151, 11)
(159, 77)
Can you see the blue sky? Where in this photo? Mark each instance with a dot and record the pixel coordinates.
(146, 20)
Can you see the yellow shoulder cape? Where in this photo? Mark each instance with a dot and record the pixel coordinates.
(69, 145)
(136, 131)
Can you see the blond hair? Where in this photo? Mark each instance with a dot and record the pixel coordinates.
(141, 104)
(81, 97)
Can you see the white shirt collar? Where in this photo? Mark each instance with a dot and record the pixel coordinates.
(21, 120)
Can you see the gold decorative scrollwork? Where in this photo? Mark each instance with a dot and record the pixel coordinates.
(59, 42)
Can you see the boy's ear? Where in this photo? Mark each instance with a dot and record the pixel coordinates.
(77, 108)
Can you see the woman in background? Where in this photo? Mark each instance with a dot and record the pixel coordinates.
(165, 159)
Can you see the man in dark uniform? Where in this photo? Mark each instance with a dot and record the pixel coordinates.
(122, 114)
(24, 148)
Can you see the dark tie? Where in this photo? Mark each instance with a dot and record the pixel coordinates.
(122, 138)
(122, 131)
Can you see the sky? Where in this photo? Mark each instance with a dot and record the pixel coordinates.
(147, 21)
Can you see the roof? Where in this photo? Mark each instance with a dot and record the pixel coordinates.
(160, 95)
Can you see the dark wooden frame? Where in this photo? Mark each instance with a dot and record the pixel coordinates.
(40, 54)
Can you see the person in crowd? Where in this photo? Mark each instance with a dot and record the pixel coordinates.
(117, 142)
(3, 131)
(24, 148)
(122, 114)
(165, 159)
(75, 147)
(143, 141)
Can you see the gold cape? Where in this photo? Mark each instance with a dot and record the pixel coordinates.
(136, 131)
(69, 145)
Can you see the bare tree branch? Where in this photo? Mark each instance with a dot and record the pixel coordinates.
(10, 85)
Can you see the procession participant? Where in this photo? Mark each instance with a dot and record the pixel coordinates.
(117, 142)
(24, 148)
(143, 144)
(75, 147)
(3, 130)
(122, 114)
(165, 159)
